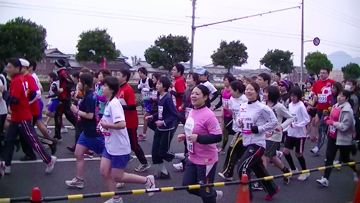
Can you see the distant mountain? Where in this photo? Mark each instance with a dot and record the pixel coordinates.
(340, 59)
(137, 48)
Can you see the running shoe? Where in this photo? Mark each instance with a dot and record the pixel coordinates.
(162, 176)
(142, 167)
(257, 186)
(315, 150)
(7, 169)
(51, 165)
(64, 130)
(223, 176)
(115, 200)
(303, 177)
(314, 139)
(336, 162)
(150, 184)
(89, 154)
(219, 194)
(221, 151)
(59, 139)
(271, 197)
(142, 137)
(75, 183)
(71, 148)
(119, 185)
(180, 166)
(323, 181)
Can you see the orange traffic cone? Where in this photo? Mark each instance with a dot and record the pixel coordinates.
(357, 194)
(36, 195)
(243, 194)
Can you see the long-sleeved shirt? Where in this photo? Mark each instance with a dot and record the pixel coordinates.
(66, 83)
(301, 119)
(166, 112)
(234, 108)
(281, 112)
(255, 115)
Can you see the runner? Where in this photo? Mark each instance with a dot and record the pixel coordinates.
(52, 96)
(204, 80)
(226, 117)
(164, 121)
(236, 148)
(297, 132)
(144, 86)
(89, 138)
(103, 73)
(154, 106)
(202, 132)
(355, 96)
(284, 95)
(273, 138)
(263, 80)
(3, 105)
(117, 144)
(341, 130)
(277, 77)
(21, 118)
(322, 89)
(126, 96)
(65, 85)
(310, 102)
(254, 119)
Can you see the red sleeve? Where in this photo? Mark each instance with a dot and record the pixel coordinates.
(17, 89)
(129, 97)
(180, 86)
(314, 87)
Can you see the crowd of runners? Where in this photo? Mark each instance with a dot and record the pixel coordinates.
(266, 120)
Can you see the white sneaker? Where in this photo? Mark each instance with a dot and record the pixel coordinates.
(315, 150)
(119, 185)
(7, 169)
(323, 181)
(294, 171)
(279, 154)
(75, 183)
(219, 194)
(226, 178)
(179, 166)
(112, 200)
(51, 165)
(303, 177)
(356, 177)
(64, 130)
(150, 184)
(336, 162)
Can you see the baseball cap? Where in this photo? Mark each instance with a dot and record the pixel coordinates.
(24, 62)
(203, 72)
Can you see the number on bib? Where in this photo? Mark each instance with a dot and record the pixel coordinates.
(189, 127)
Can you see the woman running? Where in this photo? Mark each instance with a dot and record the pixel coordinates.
(255, 119)
(271, 95)
(117, 144)
(310, 102)
(341, 131)
(202, 132)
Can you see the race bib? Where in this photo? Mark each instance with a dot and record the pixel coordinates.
(153, 94)
(235, 113)
(332, 130)
(307, 96)
(189, 127)
(187, 111)
(322, 98)
(295, 118)
(225, 102)
(145, 94)
(160, 112)
(247, 124)
(102, 130)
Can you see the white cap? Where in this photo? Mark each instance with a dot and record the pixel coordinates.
(24, 62)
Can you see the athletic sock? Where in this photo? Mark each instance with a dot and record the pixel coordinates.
(302, 162)
(290, 161)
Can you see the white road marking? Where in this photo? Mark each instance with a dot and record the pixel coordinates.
(52, 126)
(72, 159)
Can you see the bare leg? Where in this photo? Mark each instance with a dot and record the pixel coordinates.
(145, 123)
(43, 129)
(80, 162)
(105, 171)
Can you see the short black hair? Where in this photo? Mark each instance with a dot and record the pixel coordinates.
(278, 74)
(353, 82)
(15, 62)
(165, 82)
(195, 77)
(104, 72)
(311, 83)
(206, 92)
(296, 91)
(273, 92)
(53, 76)
(126, 73)
(266, 77)
(76, 75)
(230, 77)
(237, 86)
(143, 70)
(180, 67)
(156, 75)
(324, 68)
(113, 84)
(2, 67)
(33, 64)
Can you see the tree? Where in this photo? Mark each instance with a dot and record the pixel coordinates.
(278, 61)
(20, 37)
(351, 71)
(96, 44)
(167, 51)
(229, 55)
(315, 61)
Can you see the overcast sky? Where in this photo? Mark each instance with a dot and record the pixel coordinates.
(135, 24)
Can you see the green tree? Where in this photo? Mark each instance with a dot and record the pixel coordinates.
(230, 54)
(167, 51)
(315, 61)
(278, 61)
(96, 44)
(351, 71)
(20, 37)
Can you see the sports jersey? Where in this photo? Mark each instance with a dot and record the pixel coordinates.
(126, 96)
(66, 83)
(234, 106)
(225, 96)
(301, 119)
(34, 104)
(280, 112)
(144, 87)
(179, 87)
(19, 89)
(322, 88)
(255, 114)
(37, 81)
(88, 104)
(210, 86)
(166, 112)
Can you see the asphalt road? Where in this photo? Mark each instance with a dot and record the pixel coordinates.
(25, 176)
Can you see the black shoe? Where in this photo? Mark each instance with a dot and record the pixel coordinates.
(53, 147)
(162, 176)
(26, 158)
(256, 186)
(71, 148)
(17, 145)
(286, 181)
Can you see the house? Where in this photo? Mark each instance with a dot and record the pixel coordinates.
(249, 73)
(295, 76)
(135, 74)
(46, 66)
(337, 75)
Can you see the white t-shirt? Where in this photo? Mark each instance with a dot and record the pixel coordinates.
(37, 81)
(3, 107)
(211, 88)
(234, 106)
(301, 119)
(116, 141)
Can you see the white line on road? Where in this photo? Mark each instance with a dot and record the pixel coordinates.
(52, 126)
(72, 159)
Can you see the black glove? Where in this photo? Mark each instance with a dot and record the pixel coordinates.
(255, 129)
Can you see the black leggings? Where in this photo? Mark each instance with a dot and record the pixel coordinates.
(2, 124)
(331, 153)
(63, 108)
(234, 153)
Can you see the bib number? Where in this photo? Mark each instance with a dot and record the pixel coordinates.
(160, 111)
(247, 124)
(189, 127)
(332, 130)
(187, 111)
(225, 102)
(235, 113)
(102, 130)
(322, 98)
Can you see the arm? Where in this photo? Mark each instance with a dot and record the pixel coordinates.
(70, 83)
(267, 113)
(346, 123)
(180, 89)
(139, 86)
(209, 139)
(129, 107)
(8, 98)
(100, 98)
(176, 94)
(214, 130)
(305, 118)
(214, 96)
(174, 113)
(85, 115)
(183, 101)
(286, 114)
(219, 104)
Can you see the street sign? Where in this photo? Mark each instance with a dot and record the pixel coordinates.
(316, 41)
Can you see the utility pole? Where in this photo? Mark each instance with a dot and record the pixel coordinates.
(302, 42)
(193, 28)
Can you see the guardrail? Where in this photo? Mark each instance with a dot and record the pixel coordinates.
(37, 198)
